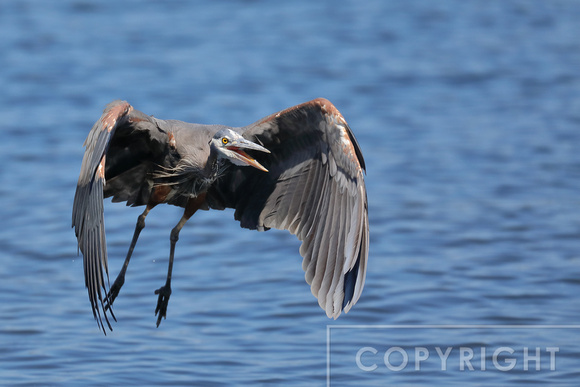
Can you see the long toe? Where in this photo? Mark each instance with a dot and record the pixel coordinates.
(164, 293)
(114, 292)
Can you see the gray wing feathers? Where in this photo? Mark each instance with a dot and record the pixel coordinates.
(357, 247)
(87, 216)
(322, 200)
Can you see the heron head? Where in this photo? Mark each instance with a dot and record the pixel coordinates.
(230, 146)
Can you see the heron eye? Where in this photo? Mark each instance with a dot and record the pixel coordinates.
(225, 140)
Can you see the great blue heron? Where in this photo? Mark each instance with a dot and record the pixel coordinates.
(307, 177)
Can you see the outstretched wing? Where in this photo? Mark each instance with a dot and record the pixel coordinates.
(315, 189)
(120, 149)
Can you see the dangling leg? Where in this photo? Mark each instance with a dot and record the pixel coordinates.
(165, 291)
(158, 195)
(114, 291)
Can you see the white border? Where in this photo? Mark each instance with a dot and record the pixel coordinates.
(443, 326)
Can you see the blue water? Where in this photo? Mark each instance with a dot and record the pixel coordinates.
(468, 115)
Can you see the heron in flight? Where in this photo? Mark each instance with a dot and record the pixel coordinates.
(300, 170)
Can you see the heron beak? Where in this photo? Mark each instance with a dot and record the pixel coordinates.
(238, 147)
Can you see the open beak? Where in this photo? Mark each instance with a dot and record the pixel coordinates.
(238, 148)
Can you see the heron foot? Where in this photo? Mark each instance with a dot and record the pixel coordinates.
(164, 292)
(114, 291)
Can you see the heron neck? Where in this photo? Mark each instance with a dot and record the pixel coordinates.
(211, 168)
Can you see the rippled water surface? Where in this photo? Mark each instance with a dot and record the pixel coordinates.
(468, 115)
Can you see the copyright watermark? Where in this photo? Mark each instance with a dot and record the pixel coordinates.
(400, 354)
(502, 358)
